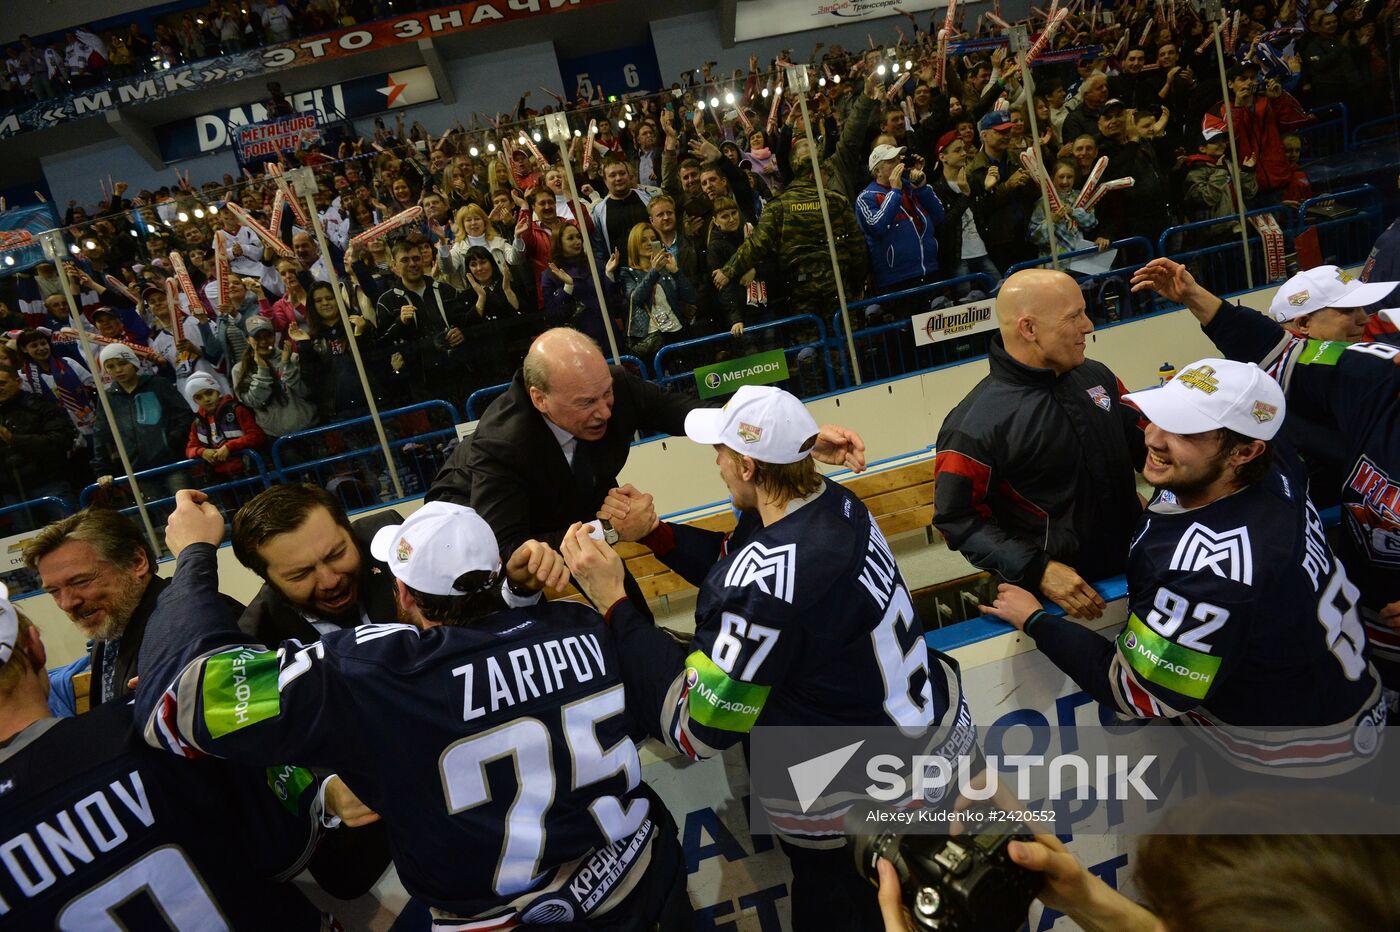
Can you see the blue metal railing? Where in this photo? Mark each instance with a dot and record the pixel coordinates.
(887, 349)
(1219, 259)
(1329, 136)
(479, 399)
(1107, 296)
(800, 382)
(1345, 240)
(345, 458)
(1375, 131)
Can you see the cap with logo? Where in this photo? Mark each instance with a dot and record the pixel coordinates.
(883, 153)
(436, 546)
(1322, 287)
(999, 120)
(760, 421)
(1213, 393)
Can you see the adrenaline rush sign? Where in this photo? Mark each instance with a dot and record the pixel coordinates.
(445, 20)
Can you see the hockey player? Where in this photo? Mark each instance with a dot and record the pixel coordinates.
(1356, 388)
(101, 832)
(494, 744)
(803, 618)
(1239, 615)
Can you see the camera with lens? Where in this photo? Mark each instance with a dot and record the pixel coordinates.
(966, 883)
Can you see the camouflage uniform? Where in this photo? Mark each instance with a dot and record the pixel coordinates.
(792, 229)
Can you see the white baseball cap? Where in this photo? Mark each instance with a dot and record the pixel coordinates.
(884, 153)
(760, 421)
(437, 545)
(1213, 393)
(1321, 287)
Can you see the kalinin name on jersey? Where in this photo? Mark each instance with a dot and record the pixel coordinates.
(74, 836)
(527, 673)
(881, 573)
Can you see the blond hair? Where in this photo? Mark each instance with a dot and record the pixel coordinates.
(113, 535)
(20, 663)
(784, 482)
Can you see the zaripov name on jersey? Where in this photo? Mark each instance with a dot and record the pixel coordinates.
(526, 673)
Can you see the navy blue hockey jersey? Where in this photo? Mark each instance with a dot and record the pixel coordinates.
(1354, 386)
(1239, 616)
(499, 755)
(99, 831)
(806, 621)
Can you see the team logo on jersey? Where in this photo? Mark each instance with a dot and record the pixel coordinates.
(1099, 396)
(772, 571)
(1202, 378)
(1299, 298)
(749, 433)
(1375, 520)
(1227, 554)
(1263, 412)
(404, 551)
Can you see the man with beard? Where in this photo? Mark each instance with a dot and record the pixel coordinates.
(102, 572)
(1240, 617)
(318, 574)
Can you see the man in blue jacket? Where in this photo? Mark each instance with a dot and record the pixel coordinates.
(899, 214)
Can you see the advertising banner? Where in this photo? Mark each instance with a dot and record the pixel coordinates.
(724, 378)
(19, 229)
(348, 100)
(443, 21)
(779, 17)
(266, 139)
(961, 321)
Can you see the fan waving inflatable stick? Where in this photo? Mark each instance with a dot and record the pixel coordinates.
(172, 303)
(267, 236)
(387, 226)
(1032, 166)
(221, 271)
(588, 145)
(182, 278)
(298, 211)
(1042, 41)
(274, 216)
(1117, 184)
(117, 285)
(1092, 182)
(941, 64)
(145, 352)
(997, 21)
(529, 144)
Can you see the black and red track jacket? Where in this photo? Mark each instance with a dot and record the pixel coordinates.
(1033, 467)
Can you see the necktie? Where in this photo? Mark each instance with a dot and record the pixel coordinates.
(582, 466)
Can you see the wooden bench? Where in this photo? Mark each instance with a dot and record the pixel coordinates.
(898, 493)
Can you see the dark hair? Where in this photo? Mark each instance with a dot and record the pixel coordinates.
(556, 245)
(540, 191)
(278, 510)
(481, 252)
(481, 598)
(114, 536)
(29, 336)
(1253, 472)
(314, 327)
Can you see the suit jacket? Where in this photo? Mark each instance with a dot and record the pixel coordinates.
(272, 618)
(513, 471)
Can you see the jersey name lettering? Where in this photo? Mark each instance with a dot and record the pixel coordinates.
(527, 673)
(1317, 559)
(772, 571)
(880, 570)
(1226, 554)
(74, 836)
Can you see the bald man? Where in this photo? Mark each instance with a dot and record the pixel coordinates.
(1035, 470)
(547, 452)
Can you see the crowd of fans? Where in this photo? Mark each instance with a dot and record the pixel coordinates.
(700, 216)
(51, 66)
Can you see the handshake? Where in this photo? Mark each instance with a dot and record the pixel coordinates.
(597, 569)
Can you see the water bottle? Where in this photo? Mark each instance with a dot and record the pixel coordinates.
(1166, 373)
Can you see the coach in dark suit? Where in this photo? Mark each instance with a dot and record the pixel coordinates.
(547, 452)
